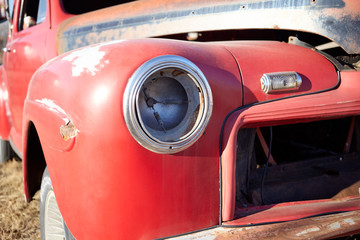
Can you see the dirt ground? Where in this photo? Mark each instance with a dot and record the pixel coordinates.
(18, 219)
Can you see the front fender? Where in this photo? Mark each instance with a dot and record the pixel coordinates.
(106, 184)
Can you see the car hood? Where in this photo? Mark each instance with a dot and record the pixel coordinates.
(338, 20)
(256, 58)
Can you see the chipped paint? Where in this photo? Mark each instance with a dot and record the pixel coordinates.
(349, 221)
(320, 227)
(50, 105)
(189, 16)
(309, 230)
(68, 131)
(335, 225)
(87, 60)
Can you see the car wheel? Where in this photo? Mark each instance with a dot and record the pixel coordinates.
(5, 151)
(52, 225)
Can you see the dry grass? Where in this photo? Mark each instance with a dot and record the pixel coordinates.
(18, 219)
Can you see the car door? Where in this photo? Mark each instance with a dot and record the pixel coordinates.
(24, 54)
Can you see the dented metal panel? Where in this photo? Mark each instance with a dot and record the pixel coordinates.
(338, 20)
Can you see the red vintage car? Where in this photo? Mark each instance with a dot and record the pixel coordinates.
(190, 119)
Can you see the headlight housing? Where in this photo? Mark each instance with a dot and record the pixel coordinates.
(167, 104)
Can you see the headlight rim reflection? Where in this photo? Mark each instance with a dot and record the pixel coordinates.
(131, 108)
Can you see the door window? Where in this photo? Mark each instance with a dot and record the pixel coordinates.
(33, 12)
(11, 4)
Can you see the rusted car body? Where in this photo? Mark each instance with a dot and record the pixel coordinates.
(158, 119)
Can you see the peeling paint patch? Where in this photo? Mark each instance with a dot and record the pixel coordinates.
(50, 104)
(87, 60)
(335, 226)
(309, 230)
(349, 221)
(68, 131)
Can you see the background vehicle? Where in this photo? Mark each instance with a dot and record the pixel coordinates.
(215, 114)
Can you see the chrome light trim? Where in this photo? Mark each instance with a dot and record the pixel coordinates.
(134, 117)
(280, 81)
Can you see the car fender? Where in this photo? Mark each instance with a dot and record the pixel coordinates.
(100, 173)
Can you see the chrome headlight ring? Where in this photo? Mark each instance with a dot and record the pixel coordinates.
(167, 104)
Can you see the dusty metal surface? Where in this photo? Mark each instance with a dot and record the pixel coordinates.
(338, 20)
(322, 227)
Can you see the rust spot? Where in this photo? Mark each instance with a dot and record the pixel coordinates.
(152, 18)
(322, 227)
(68, 131)
(176, 73)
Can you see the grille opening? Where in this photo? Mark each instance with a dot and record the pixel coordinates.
(312, 161)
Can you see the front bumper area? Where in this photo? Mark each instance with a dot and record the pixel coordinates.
(319, 227)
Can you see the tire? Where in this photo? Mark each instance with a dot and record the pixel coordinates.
(5, 151)
(52, 225)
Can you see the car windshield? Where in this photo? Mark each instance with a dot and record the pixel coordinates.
(84, 6)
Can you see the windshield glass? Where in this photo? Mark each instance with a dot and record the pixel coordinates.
(84, 6)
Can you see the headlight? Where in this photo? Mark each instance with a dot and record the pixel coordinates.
(167, 104)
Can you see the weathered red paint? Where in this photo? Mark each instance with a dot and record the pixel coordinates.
(196, 193)
(257, 58)
(292, 211)
(106, 184)
(28, 50)
(194, 204)
(343, 101)
(4, 120)
(333, 19)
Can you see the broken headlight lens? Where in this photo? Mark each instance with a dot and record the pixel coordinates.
(167, 104)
